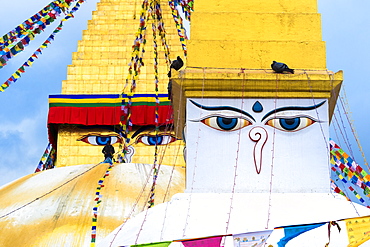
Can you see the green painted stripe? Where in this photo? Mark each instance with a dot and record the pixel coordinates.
(150, 103)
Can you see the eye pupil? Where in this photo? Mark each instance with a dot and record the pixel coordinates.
(226, 123)
(102, 140)
(289, 123)
(153, 140)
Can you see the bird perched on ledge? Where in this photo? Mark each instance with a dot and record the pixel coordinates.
(281, 68)
(176, 64)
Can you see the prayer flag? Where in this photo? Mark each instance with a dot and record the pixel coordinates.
(203, 242)
(294, 231)
(251, 239)
(358, 230)
(158, 244)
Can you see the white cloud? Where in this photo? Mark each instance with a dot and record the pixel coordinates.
(23, 132)
(22, 144)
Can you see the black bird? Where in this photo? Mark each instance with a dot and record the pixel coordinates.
(176, 64)
(281, 67)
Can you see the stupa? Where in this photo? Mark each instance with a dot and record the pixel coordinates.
(257, 141)
(77, 203)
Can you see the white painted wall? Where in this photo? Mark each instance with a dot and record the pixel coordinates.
(294, 161)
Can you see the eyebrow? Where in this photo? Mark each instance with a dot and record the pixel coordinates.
(141, 129)
(290, 108)
(218, 108)
(144, 128)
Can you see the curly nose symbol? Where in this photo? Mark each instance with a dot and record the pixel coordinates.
(259, 136)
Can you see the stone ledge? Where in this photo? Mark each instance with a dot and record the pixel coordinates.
(246, 83)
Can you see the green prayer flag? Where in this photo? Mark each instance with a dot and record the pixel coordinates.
(158, 244)
(367, 190)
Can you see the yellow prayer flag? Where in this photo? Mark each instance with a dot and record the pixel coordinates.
(358, 230)
(17, 48)
(31, 36)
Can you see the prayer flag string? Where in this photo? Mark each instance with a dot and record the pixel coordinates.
(162, 34)
(349, 187)
(357, 233)
(350, 168)
(346, 170)
(17, 74)
(139, 42)
(135, 64)
(17, 39)
(187, 7)
(154, 9)
(47, 159)
(347, 111)
(148, 10)
(98, 202)
(336, 189)
(180, 28)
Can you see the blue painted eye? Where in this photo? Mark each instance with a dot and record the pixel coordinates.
(226, 123)
(290, 124)
(98, 140)
(102, 140)
(152, 140)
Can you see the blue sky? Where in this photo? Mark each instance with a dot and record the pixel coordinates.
(23, 115)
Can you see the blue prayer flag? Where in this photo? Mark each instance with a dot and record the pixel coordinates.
(294, 231)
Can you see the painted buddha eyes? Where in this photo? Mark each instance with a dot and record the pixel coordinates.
(284, 118)
(226, 123)
(152, 140)
(149, 140)
(100, 140)
(290, 124)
